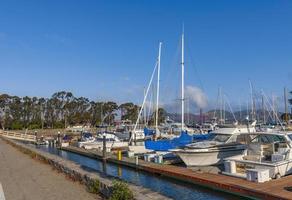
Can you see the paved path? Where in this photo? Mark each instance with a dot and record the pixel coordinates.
(23, 178)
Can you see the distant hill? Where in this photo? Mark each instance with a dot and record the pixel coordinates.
(191, 118)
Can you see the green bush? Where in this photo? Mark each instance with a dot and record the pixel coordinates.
(121, 191)
(16, 125)
(94, 187)
(34, 126)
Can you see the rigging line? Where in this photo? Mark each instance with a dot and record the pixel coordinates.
(150, 106)
(149, 84)
(274, 111)
(217, 105)
(269, 113)
(192, 63)
(169, 76)
(228, 103)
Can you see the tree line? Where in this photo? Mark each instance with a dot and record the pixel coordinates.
(61, 110)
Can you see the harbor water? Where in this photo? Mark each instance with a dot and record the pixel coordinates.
(168, 187)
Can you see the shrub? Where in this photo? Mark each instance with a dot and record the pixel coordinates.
(121, 191)
(34, 126)
(16, 125)
(94, 187)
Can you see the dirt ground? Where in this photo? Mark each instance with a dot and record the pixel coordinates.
(23, 178)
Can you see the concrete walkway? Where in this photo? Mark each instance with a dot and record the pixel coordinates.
(23, 178)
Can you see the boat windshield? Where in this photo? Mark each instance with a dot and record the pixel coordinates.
(220, 137)
(266, 139)
(290, 136)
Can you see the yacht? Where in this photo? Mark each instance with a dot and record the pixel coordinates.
(265, 150)
(112, 141)
(86, 138)
(223, 143)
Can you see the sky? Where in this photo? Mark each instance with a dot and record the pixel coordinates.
(106, 50)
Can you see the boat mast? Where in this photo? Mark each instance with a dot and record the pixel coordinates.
(286, 105)
(144, 110)
(221, 105)
(182, 81)
(252, 102)
(158, 81)
(263, 110)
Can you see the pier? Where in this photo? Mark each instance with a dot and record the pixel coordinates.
(274, 189)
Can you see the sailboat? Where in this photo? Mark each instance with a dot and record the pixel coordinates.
(184, 138)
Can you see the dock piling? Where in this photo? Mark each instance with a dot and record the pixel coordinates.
(119, 155)
(136, 160)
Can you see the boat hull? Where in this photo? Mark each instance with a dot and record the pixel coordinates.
(109, 145)
(206, 158)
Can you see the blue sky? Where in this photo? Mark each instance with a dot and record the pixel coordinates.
(107, 49)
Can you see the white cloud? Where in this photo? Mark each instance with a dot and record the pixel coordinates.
(196, 95)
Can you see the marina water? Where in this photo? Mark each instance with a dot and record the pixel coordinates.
(168, 187)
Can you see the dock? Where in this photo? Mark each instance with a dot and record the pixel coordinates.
(274, 189)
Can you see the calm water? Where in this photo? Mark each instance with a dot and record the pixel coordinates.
(167, 187)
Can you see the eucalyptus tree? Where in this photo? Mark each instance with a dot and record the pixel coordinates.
(4, 109)
(109, 112)
(96, 113)
(129, 111)
(161, 116)
(61, 100)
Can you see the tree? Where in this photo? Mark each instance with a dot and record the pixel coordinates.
(4, 109)
(161, 116)
(129, 111)
(284, 115)
(60, 110)
(108, 110)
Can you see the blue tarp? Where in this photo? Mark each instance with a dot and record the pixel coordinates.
(181, 141)
(149, 132)
(67, 137)
(86, 135)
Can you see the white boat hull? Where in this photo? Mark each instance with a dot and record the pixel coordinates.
(206, 158)
(109, 145)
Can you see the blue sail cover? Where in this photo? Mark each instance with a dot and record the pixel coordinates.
(149, 132)
(181, 141)
(166, 144)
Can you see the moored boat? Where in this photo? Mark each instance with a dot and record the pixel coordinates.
(224, 142)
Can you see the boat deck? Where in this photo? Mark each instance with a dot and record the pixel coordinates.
(274, 189)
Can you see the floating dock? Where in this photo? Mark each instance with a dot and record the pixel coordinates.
(274, 189)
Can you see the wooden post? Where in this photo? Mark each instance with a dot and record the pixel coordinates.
(35, 134)
(59, 140)
(104, 147)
